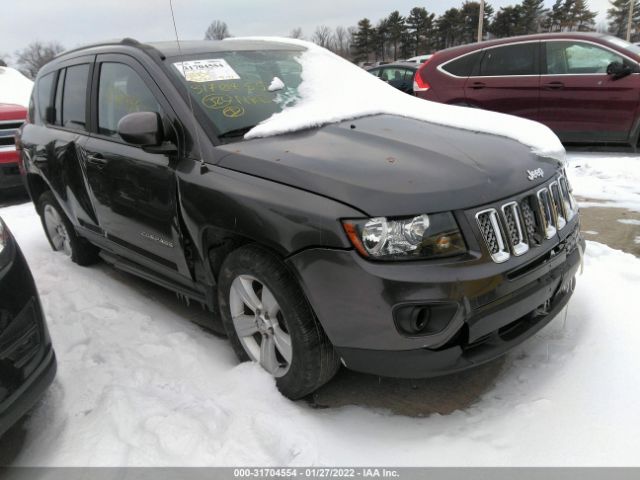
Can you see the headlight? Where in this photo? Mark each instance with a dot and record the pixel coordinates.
(422, 236)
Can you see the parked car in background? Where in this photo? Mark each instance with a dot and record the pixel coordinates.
(584, 86)
(399, 75)
(11, 117)
(314, 247)
(419, 59)
(27, 359)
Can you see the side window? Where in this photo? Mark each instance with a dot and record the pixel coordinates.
(464, 66)
(519, 59)
(397, 75)
(74, 97)
(121, 91)
(573, 58)
(44, 90)
(375, 72)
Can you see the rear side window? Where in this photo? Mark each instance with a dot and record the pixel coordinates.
(44, 90)
(464, 66)
(519, 59)
(121, 91)
(74, 97)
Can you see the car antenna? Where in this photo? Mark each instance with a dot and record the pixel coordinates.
(203, 166)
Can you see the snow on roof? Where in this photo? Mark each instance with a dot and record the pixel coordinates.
(335, 90)
(15, 88)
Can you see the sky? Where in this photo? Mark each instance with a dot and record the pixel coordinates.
(77, 22)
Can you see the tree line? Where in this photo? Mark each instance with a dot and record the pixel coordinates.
(418, 32)
(422, 32)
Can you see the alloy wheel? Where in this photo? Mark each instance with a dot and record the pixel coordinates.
(57, 231)
(260, 324)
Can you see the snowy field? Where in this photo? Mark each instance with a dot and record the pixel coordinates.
(139, 384)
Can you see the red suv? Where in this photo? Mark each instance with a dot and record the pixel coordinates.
(11, 117)
(584, 86)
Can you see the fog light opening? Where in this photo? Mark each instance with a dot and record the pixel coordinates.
(423, 320)
(420, 319)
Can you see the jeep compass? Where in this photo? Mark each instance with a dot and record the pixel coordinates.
(389, 245)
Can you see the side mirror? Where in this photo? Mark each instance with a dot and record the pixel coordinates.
(141, 128)
(618, 70)
(50, 115)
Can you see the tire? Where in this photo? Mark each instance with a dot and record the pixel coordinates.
(61, 234)
(278, 310)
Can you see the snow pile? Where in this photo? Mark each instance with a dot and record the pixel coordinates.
(610, 179)
(15, 88)
(139, 384)
(275, 85)
(334, 90)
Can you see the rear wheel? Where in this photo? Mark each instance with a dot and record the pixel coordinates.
(269, 321)
(61, 234)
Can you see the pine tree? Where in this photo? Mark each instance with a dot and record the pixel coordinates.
(449, 28)
(580, 18)
(469, 16)
(396, 28)
(531, 14)
(420, 26)
(364, 40)
(380, 39)
(507, 22)
(618, 16)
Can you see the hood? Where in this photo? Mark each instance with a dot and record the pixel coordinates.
(9, 111)
(14, 87)
(386, 165)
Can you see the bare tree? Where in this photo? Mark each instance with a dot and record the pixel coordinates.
(322, 36)
(296, 33)
(218, 30)
(33, 57)
(341, 41)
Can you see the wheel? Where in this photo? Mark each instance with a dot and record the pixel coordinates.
(61, 234)
(268, 320)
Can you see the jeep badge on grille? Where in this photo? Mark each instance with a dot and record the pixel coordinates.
(533, 174)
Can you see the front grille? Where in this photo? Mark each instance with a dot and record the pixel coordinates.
(8, 129)
(10, 170)
(489, 223)
(520, 225)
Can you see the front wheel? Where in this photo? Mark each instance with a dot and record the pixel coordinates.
(269, 321)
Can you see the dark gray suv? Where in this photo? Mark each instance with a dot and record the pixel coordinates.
(313, 248)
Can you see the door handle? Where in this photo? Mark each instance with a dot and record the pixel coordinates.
(554, 86)
(97, 159)
(477, 85)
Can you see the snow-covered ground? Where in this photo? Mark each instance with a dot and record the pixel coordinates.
(606, 179)
(139, 384)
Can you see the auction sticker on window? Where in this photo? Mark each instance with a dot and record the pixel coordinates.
(210, 70)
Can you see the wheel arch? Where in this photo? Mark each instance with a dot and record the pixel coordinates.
(36, 186)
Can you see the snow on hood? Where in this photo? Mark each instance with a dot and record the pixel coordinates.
(334, 90)
(15, 88)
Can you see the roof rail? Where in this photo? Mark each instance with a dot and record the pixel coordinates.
(127, 41)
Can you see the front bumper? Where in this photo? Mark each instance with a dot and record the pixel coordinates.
(27, 360)
(10, 177)
(498, 306)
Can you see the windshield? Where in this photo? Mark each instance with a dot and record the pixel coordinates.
(624, 44)
(237, 90)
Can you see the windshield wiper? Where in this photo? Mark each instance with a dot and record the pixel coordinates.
(238, 132)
